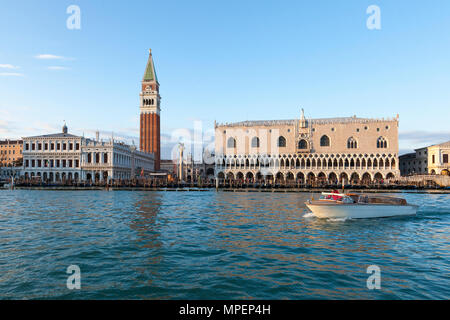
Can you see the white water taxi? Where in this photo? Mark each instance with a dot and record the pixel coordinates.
(359, 206)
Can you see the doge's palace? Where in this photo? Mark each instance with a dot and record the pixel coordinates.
(331, 150)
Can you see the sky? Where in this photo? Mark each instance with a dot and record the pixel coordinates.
(223, 61)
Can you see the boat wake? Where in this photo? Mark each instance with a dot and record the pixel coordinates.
(308, 215)
(338, 219)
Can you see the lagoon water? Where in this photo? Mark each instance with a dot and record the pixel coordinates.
(215, 245)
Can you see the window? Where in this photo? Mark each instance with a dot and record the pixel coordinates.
(381, 143)
(324, 141)
(231, 143)
(255, 142)
(352, 143)
(445, 158)
(281, 141)
(77, 146)
(302, 144)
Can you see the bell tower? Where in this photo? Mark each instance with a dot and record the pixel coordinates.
(150, 101)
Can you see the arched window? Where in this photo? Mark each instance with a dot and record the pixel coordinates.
(282, 141)
(381, 143)
(255, 142)
(231, 143)
(302, 144)
(324, 141)
(352, 143)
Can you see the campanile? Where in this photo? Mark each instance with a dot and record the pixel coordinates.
(149, 134)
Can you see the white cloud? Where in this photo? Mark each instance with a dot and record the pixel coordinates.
(11, 74)
(57, 68)
(8, 66)
(47, 56)
(424, 137)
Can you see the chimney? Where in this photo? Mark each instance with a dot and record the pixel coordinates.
(97, 135)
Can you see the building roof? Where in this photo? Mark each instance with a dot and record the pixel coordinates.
(150, 72)
(444, 144)
(353, 119)
(55, 135)
(407, 156)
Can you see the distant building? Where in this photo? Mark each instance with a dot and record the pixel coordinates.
(190, 171)
(414, 163)
(169, 167)
(63, 156)
(9, 172)
(426, 160)
(11, 153)
(307, 150)
(438, 155)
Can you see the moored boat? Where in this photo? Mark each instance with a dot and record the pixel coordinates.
(359, 206)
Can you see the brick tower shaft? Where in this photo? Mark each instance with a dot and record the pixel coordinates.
(150, 100)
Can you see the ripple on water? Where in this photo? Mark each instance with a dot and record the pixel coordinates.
(208, 245)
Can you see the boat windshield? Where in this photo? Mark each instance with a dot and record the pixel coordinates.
(334, 196)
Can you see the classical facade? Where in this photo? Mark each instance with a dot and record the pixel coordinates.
(414, 163)
(438, 162)
(63, 156)
(103, 160)
(53, 157)
(150, 102)
(306, 150)
(11, 153)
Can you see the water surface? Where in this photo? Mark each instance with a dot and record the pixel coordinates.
(208, 245)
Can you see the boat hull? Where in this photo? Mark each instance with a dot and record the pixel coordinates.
(360, 211)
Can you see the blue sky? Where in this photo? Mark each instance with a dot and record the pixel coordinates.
(225, 61)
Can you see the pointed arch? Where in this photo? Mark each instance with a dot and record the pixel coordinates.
(231, 143)
(324, 141)
(281, 141)
(352, 143)
(255, 142)
(382, 143)
(302, 144)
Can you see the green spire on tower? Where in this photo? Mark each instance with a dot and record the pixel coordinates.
(150, 73)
